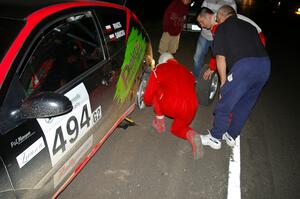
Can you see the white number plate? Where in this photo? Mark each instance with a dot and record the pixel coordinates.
(63, 132)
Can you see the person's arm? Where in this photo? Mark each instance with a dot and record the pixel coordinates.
(219, 51)
(212, 68)
(221, 66)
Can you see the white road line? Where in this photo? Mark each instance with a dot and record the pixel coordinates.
(234, 188)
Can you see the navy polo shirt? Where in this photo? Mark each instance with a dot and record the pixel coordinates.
(236, 39)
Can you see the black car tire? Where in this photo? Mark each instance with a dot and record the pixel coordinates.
(207, 89)
(141, 90)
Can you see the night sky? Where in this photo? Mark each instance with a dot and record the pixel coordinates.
(148, 10)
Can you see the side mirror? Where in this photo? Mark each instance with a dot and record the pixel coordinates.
(44, 105)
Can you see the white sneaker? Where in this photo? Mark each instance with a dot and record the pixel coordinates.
(208, 140)
(229, 140)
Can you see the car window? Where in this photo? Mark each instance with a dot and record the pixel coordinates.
(114, 28)
(66, 51)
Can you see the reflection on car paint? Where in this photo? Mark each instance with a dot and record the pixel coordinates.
(134, 54)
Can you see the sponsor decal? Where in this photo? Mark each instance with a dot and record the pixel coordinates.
(21, 139)
(112, 37)
(120, 33)
(70, 164)
(76, 100)
(108, 28)
(117, 25)
(30, 152)
(134, 54)
(66, 130)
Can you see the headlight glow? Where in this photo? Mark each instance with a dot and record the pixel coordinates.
(297, 12)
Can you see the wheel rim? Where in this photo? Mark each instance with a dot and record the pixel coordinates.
(213, 86)
(140, 94)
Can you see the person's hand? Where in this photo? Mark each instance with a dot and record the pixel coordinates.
(207, 74)
(221, 85)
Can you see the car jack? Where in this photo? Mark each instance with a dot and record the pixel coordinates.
(126, 123)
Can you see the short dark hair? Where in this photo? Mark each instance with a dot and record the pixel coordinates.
(227, 10)
(204, 11)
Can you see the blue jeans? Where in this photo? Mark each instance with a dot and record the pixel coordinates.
(201, 50)
(239, 94)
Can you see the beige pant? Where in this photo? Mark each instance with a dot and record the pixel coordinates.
(168, 43)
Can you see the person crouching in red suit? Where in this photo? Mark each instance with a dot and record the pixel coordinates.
(171, 92)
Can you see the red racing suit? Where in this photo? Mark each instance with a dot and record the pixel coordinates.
(171, 92)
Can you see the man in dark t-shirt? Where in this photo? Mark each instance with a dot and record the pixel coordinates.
(244, 68)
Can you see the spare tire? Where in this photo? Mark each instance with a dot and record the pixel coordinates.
(207, 89)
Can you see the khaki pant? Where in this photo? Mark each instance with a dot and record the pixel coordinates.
(168, 43)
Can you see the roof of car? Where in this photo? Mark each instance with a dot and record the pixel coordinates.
(21, 9)
(17, 9)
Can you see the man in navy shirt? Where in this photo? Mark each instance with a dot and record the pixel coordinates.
(244, 68)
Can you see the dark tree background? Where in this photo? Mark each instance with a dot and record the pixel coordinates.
(148, 10)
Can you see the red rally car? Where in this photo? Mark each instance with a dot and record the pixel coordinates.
(70, 72)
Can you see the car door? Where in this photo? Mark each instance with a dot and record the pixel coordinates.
(127, 44)
(66, 57)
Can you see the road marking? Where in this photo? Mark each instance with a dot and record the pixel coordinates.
(234, 188)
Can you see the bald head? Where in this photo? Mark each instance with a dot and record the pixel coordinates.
(224, 12)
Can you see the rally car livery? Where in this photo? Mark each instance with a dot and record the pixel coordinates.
(70, 72)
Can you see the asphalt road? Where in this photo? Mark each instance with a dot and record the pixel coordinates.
(139, 163)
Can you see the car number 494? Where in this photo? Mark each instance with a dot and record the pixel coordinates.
(63, 132)
(68, 133)
(73, 127)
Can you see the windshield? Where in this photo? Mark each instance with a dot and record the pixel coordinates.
(9, 29)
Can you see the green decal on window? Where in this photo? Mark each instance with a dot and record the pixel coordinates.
(134, 54)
